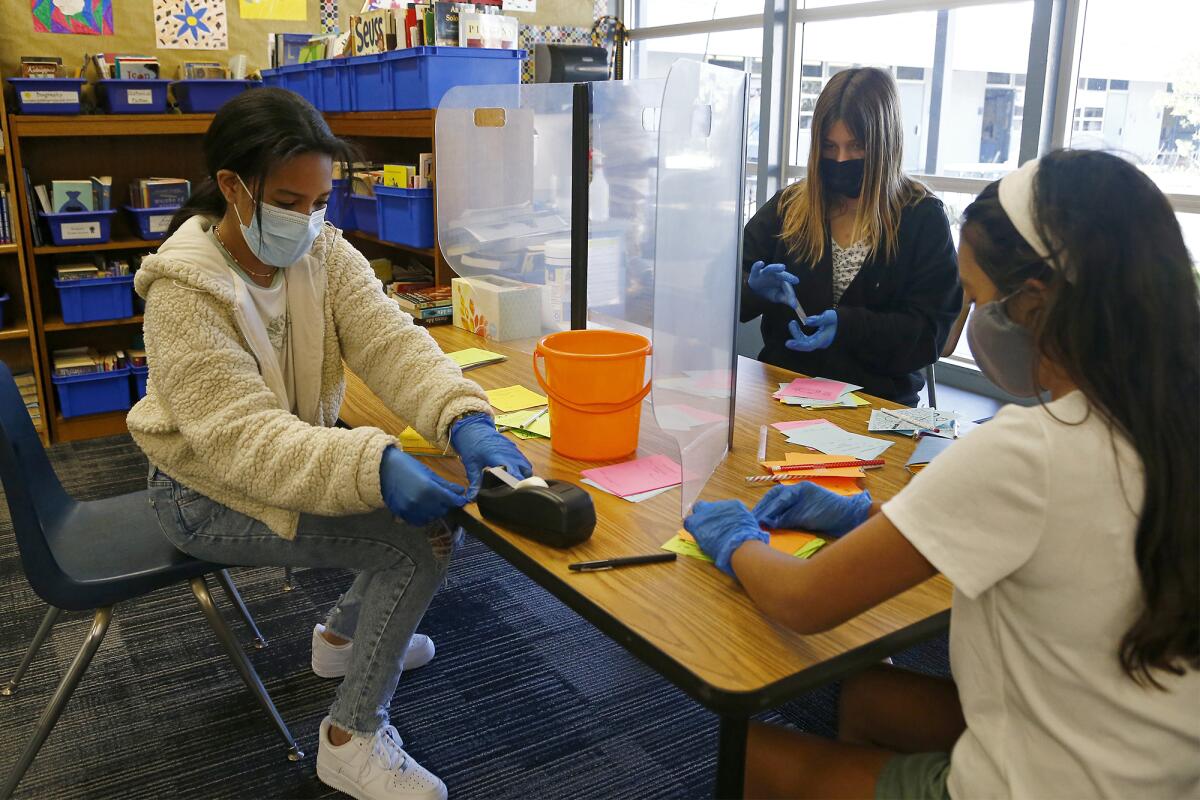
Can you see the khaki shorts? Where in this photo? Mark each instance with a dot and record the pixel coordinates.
(920, 776)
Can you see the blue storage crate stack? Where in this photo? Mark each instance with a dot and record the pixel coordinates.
(94, 299)
(139, 374)
(416, 78)
(207, 95)
(152, 223)
(272, 77)
(339, 212)
(133, 96)
(405, 216)
(79, 227)
(365, 217)
(301, 79)
(335, 81)
(93, 393)
(47, 95)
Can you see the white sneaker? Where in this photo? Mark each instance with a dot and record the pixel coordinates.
(375, 768)
(332, 660)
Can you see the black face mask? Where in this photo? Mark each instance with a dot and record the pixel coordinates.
(842, 177)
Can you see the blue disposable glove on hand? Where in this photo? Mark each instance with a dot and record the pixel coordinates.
(480, 446)
(413, 492)
(809, 507)
(721, 528)
(773, 282)
(826, 325)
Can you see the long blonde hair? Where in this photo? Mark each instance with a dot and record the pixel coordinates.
(865, 99)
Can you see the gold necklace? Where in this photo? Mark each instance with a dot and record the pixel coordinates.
(241, 266)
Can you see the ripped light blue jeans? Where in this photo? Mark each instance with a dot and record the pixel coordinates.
(399, 566)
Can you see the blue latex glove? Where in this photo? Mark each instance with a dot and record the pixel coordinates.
(809, 507)
(480, 445)
(413, 492)
(826, 325)
(773, 282)
(721, 528)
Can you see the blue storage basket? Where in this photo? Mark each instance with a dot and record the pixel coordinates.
(302, 79)
(405, 215)
(339, 212)
(79, 227)
(139, 375)
(129, 96)
(152, 223)
(47, 95)
(417, 77)
(271, 77)
(206, 95)
(365, 217)
(335, 80)
(93, 393)
(3, 307)
(93, 299)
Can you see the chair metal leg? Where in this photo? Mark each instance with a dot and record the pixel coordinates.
(287, 579)
(42, 632)
(931, 383)
(59, 701)
(236, 598)
(244, 667)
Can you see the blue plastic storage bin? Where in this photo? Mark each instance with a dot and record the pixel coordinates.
(79, 227)
(339, 212)
(3, 307)
(205, 96)
(93, 393)
(405, 215)
(303, 80)
(152, 223)
(271, 77)
(417, 77)
(47, 95)
(93, 299)
(335, 80)
(365, 217)
(125, 96)
(138, 374)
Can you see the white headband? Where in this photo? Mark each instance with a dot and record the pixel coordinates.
(1016, 198)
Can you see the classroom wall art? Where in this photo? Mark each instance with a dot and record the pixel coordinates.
(191, 25)
(88, 17)
(329, 16)
(274, 9)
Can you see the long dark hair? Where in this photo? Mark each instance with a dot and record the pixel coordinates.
(251, 135)
(1124, 326)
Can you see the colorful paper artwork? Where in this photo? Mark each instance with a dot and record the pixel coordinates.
(190, 25)
(274, 9)
(87, 17)
(329, 16)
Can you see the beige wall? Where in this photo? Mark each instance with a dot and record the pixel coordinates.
(133, 23)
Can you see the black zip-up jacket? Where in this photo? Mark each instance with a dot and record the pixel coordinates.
(893, 318)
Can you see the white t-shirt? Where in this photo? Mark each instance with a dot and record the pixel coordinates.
(1034, 521)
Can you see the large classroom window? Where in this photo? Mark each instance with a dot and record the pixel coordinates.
(1106, 74)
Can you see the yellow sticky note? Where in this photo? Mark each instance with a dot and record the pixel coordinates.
(472, 356)
(515, 398)
(540, 426)
(413, 442)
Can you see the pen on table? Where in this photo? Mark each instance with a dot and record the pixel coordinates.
(537, 415)
(613, 563)
(905, 419)
(762, 443)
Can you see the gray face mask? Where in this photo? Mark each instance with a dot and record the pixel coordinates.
(1003, 349)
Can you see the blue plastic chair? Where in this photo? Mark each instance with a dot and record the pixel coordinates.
(89, 556)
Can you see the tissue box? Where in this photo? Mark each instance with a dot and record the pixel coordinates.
(498, 308)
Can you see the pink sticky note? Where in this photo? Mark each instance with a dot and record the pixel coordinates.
(815, 388)
(799, 423)
(635, 477)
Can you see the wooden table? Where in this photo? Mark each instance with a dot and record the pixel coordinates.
(685, 619)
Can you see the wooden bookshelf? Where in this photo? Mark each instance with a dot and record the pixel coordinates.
(18, 348)
(124, 243)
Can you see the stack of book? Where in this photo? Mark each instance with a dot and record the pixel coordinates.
(28, 388)
(125, 67)
(428, 306)
(42, 67)
(441, 24)
(92, 194)
(85, 361)
(159, 192)
(96, 268)
(6, 217)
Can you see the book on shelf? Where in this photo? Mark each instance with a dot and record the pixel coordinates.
(488, 30)
(70, 196)
(429, 322)
(159, 192)
(445, 24)
(202, 70)
(286, 47)
(42, 67)
(6, 227)
(102, 192)
(137, 357)
(436, 311)
(34, 199)
(424, 298)
(85, 361)
(135, 67)
(76, 272)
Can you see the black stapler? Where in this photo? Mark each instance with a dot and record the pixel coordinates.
(557, 513)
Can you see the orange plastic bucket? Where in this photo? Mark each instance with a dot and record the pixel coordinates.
(594, 382)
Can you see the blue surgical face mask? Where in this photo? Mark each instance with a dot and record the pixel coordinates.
(1003, 349)
(284, 236)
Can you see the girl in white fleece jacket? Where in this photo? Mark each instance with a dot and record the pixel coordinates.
(252, 305)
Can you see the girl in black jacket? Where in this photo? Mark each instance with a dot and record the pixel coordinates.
(862, 248)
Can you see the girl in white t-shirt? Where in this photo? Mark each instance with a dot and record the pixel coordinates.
(1069, 528)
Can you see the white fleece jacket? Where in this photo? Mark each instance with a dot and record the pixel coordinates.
(212, 421)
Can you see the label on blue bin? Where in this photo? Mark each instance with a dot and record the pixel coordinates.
(79, 230)
(139, 97)
(49, 97)
(159, 223)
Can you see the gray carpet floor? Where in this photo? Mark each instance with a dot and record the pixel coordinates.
(524, 700)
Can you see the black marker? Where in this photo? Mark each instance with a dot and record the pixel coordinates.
(613, 563)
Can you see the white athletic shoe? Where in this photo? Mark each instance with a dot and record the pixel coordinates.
(375, 768)
(332, 661)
